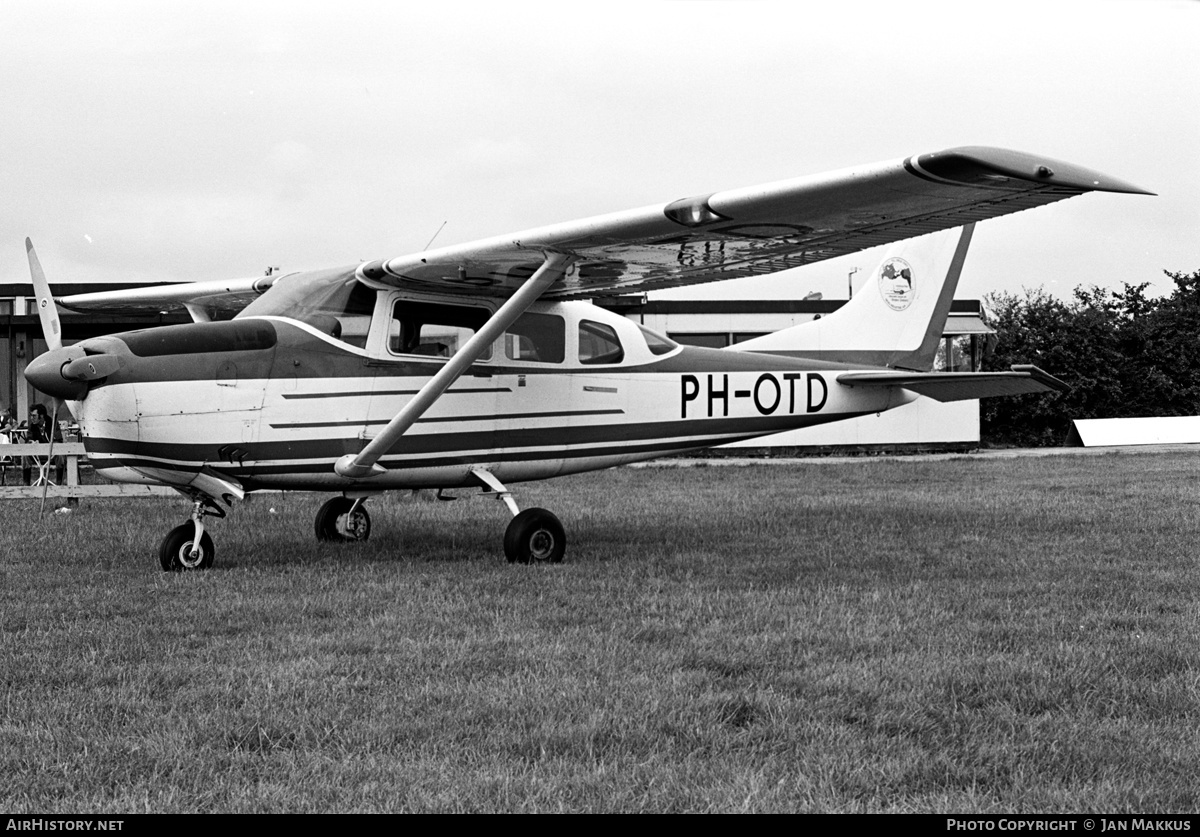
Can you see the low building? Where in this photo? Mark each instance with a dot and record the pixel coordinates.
(21, 335)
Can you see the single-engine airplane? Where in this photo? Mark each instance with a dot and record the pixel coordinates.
(485, 364)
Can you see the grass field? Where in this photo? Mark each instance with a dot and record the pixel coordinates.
(887, 635)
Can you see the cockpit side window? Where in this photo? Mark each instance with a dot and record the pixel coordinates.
(598, 343)
(433, 329)
(540, 338)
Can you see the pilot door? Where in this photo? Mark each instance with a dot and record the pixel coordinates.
(458, 430)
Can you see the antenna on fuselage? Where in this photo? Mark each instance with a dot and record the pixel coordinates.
(436, 234)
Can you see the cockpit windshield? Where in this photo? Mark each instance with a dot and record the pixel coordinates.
(332, 301)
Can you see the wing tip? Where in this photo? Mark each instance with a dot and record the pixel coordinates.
(988, 166)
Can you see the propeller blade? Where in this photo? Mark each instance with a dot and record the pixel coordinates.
(47, 312)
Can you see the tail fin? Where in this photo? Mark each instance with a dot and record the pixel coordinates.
(48, 313)
(895, 320)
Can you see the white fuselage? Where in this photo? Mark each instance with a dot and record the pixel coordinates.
(280, 415)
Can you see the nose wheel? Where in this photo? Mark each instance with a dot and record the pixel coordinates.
(178, 550)
(188, 546)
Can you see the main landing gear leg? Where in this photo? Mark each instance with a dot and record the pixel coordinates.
(188, 546)
(534, 535)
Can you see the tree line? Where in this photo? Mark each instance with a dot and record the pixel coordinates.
(1122, 353)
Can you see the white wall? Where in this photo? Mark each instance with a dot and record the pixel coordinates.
(923, 421)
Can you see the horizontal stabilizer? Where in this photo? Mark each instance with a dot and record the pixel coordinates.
(960, 386)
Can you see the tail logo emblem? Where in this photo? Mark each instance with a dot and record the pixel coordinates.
(895, 284)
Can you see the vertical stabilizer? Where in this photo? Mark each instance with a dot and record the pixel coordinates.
(896, 319)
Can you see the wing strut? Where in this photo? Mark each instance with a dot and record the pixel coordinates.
(364, 464)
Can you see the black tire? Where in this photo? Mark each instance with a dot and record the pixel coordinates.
(174, 553)
(333, 522)
(535, 536)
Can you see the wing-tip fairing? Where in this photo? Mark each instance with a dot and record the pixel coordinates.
(1002, 168)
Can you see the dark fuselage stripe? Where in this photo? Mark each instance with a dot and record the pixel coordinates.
(560, 438)
(302, 395)
(299, 425)
(325, 468)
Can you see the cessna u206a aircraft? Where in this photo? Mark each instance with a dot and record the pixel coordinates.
(484, 364)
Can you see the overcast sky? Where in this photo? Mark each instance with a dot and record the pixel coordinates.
(183, 141)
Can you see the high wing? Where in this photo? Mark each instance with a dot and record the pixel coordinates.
(730, 234)
(961, 386)
(753, 231)
(217, 299)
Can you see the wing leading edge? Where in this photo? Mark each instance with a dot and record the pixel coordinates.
(755, 230)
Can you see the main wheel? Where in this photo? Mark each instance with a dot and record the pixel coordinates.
(535, 535)
(175, 551)
(336, 523)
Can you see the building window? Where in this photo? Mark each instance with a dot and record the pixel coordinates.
(959, 353)
(707, 339)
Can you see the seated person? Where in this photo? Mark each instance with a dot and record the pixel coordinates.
(38, 430)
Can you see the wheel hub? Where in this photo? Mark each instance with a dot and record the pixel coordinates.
(541, 545)
(187, 560)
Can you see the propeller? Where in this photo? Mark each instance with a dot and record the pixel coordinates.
(62, 372)
(84, 369)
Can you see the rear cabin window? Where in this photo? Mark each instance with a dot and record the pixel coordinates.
(658, 344)
(538, 338)
(434, 330)
(598, 343)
